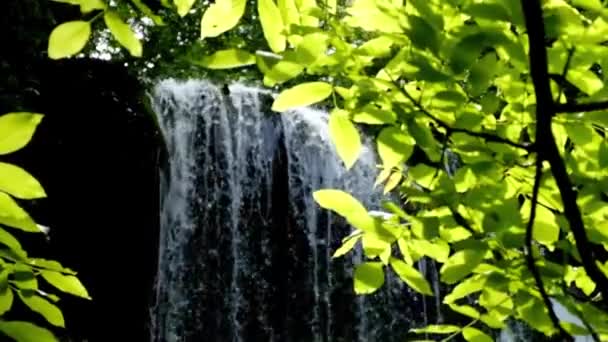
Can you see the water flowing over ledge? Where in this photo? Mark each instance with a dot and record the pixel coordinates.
(245, 253)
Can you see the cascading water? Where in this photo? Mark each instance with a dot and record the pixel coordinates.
(245, 253)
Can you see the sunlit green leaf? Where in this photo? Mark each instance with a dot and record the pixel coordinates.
(86, 6)
(272, 24)
(16, 130)
(347, 246)
(11, 242)
(470, 285)
(475, 335)
(69, 39)
(6, 300)
(437, 329)
(148, 12)
(532, 311)
(66, 283)
(369, 277)
(394, 146)
(12, 215)
(303, 94)
(411, 276)
(221, 16)
(18, 183)
(345, 137)
(546, 230)
(460, 264)
(183, 6)
(26, 332)
(123, 33)
(48, 310)
(228, 59)
(24, 278)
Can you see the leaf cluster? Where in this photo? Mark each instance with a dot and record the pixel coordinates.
(20, 273)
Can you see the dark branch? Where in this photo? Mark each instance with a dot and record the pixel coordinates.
(565, 72)
(545, 141)
(530, 257)
(580, 107)
(487, 136)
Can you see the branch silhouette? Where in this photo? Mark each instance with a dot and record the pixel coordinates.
(545, 141)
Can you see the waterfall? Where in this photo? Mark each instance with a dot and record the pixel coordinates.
(245, 253)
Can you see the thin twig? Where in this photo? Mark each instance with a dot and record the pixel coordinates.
(530, 257)
(545, 140)
(580, 107)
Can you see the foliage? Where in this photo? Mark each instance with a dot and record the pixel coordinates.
(514, 91)
(19, 273)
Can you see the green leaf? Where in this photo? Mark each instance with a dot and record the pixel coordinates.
(374, 246)
(460, 264)
(580, 133)
(221, 16)
(50, 265)
(466, 310)
(533, 311)
(312, 47)
(464, 179)
(69, 39)
(347, 246)
(12, 215)
(289, 13)
(594, 5)
(348, 207)
(546, 229)
(437, 329)
(394, 146)
(475, 335)
(465, 288)
(143, 8)
(17, 182)
(585, 80)
(122, 33)
(302, 95)
(369, 277)
(603, 154)
(6, 300)
(422, 174)
(372, 115)
(272, 25)
(345, 137)
(228, 59)
(488, 11)
(86, 6)
(411, 276)
(11, 242)
(40, 305)
(16, 130)
(422, 34)
(393, 181)
(281, 72)
(26, 332)
(183, 6)
(66, 283)
(466, 51)
(24, 278)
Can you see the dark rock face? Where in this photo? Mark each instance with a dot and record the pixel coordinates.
(96, 153)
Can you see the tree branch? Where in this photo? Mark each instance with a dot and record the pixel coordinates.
(580, 107)
(530, 257)
(545, 141)
(487, 136)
